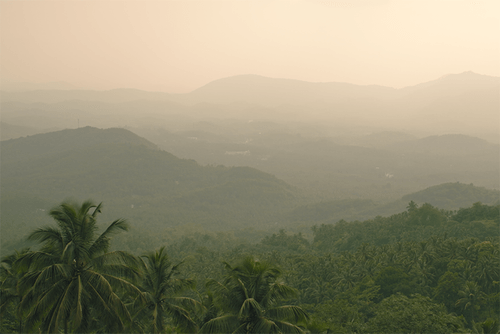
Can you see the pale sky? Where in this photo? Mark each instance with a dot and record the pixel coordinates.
(178, 46)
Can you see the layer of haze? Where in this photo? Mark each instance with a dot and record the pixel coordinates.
(178, 46)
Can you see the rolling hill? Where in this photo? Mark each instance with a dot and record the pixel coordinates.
(134, 179)
(447, 196)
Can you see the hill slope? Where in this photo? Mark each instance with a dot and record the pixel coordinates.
(134, 179)
(448, 196)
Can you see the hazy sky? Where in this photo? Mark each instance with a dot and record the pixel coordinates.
(177, 46)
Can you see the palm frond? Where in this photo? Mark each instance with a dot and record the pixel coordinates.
(37, 260)
(286, 327)
(40, 303)
(46, 234)
(223, 324)
(175, 286)
(250, 307)
(50, 274)
(264, 325)
(126, 272)
(181, 318)
(6, 299)
(63, 308)
(278, 291)
(186, 302)
(86, 207)
(101, 244)
(107, 304)
(122, 283)
(97, 210)
(289, 313)
(68, 253)
(114, 258)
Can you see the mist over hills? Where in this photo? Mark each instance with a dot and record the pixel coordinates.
(155, 189)
(450, 144)
(117, 158)
(271, 92)
(8, 131)
(376, 166)
(343, 151)
(466, 103)
(135, 179)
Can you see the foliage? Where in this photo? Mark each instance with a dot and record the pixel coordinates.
(414, 314)
(160, 295)
(250, 299)
(430, 264)
(11, 273)
(295, 242)
(417, 224)
(70, 283)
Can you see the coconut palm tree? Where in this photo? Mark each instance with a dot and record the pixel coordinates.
(471, 297)
(250, 299)
(160, 295)
(71, 278)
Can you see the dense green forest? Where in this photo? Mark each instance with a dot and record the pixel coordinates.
(218, 249)
(423, 270)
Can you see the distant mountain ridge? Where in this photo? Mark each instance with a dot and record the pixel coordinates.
(273, 92)
(248, 87)
(455, 103)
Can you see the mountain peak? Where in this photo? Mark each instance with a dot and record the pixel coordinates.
(467, 75)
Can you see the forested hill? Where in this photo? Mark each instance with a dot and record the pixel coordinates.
(447, 196)
(134, 179)
(30, 147)
(454, 195)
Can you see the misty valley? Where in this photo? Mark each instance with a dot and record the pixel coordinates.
(252, 205)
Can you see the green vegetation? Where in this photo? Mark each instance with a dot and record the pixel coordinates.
(424, 270)
(215, 249)
(156, 190)
(135, 179)
(250, 297)
(68, 283)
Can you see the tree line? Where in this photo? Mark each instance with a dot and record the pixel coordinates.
(424, 270)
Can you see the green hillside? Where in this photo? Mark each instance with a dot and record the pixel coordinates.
(454, 195)
(448, 196)
(134, 179)
(158, 191)
(43, 145)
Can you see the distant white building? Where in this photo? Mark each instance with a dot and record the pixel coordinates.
(237, 152)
